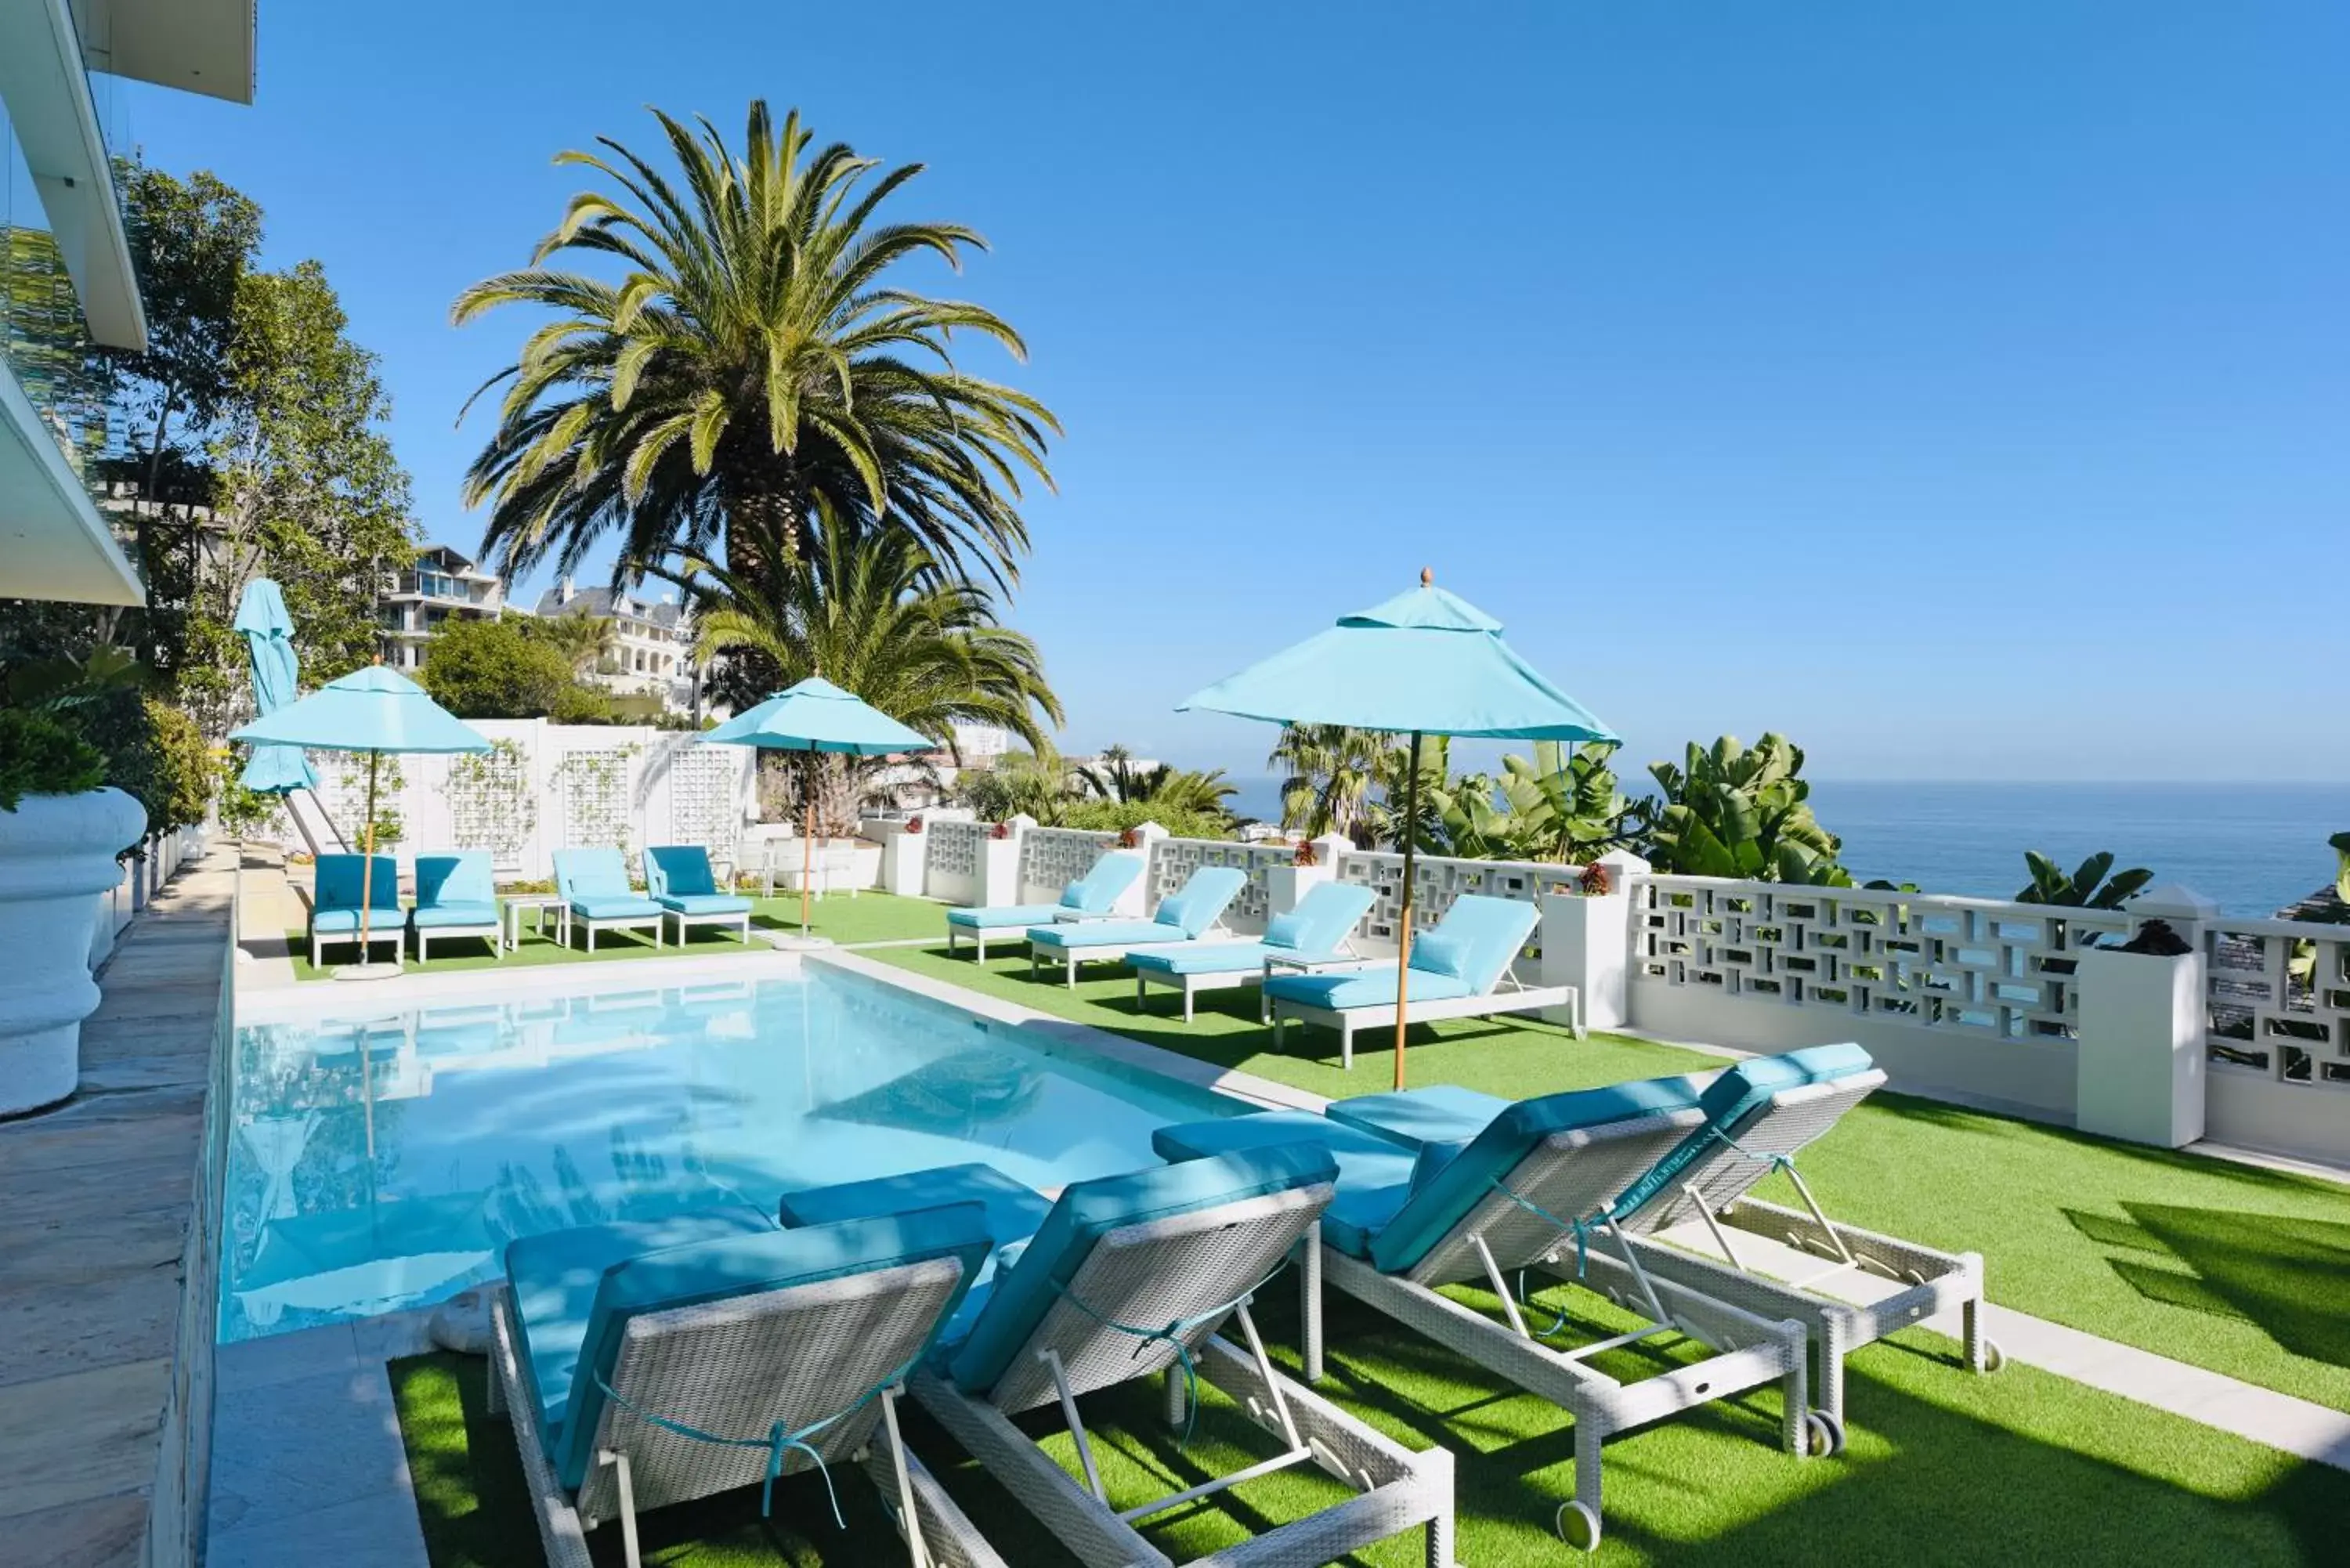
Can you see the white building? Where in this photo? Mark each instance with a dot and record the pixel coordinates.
(414, 604)
(651, 654)
(68, 259)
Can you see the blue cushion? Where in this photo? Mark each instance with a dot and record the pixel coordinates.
(1439, 1112)
(385, 919)
(335, 884)
(1005, 915)
(1450, 1188)
(1203, 958)
(453, 914)
(1102, 933)
(1733, 1098)
(462, 877)
(1014, 1214)
(705, 903)
(621, 906)
(1287, 932)
(1089, 1210)
(1490, 932)
(1328, 915)
(556, 1278)
(591, 874)
(1201, 901)
(1371, 987)
(679, 870)
(728, 1265)
(1438, 953)
(1099, 888)
(1373, 1176)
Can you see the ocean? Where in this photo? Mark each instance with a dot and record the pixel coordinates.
(2252, 848)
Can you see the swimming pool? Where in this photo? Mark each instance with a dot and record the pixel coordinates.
(382, 1158)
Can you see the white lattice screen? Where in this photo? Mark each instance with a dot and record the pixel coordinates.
(702, 800)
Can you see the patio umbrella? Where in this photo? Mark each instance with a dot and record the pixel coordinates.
(373, 711)
(817, 716)
(1425, 662)
(268, 633)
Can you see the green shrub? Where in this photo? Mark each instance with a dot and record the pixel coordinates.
(579, 703)
(1116, 816)
(39, 756)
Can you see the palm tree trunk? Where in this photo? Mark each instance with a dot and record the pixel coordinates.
(766, 527)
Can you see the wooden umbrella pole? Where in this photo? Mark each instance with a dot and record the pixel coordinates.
(807, 833)
(1403, 950)
(366, 880)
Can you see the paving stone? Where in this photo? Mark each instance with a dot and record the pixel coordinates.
(296, 1446)
(380, 1530)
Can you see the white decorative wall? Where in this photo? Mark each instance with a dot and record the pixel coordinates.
(1173, 861)
(951, 866)
(1052, 858)
(1437, 881)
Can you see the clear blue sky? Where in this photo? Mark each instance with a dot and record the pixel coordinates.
(1963, 389)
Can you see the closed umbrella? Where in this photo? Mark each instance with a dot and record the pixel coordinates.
(1425, 662)
(268, 633)
(817, 716)
(373, 711)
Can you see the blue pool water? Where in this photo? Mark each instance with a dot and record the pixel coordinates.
(380, 1161)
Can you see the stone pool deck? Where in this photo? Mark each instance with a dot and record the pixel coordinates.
(106, 1319)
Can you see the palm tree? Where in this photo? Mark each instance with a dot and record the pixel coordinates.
(1329, 771)
(583, 640)
(869, 611)
(753, 365)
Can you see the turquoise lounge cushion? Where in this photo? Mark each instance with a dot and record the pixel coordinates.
(1437, 954)
(617, 907)
(1450, 1188)
(1372, 987)
(1099, 887)
(1478, 939)
(462, 877)
(1733, 1098)
(1288, 932)
(591, 874)
(1202, 901)
(1087, 1210)
(1102, 933)
(335, 884)
(1327, 916)
(555, 1277)
(1441, 1112)
(1204, 958)
(425, 917)
(1373, 1176)
(679, 870)
(1005, 915)
(729, 1265)
(1014, 1214)
(705, 904)
(384, 919)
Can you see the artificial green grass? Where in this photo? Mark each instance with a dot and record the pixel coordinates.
(1942, 1467)
(867, 917)
(2227, 1266)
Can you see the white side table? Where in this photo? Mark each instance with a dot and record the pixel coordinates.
(510, 914)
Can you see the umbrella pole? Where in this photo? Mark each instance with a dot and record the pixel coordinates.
(367, 886)
(807, 835)
(1403, 952)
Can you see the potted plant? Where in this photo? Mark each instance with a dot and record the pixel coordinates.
(60, 834)
(1304, 857)
(1596, 882)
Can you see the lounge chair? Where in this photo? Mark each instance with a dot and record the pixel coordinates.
(1090, 896)
(455, 897)
(594, 884)
(1455, 970)
(1543, 1185)
(335, 904)
(649, 1363)
(1313, 933)
(1124, 1276)
(1848, 1287)
(1186, 915)
(678, 877)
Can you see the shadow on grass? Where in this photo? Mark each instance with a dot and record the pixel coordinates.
(2288, 1275)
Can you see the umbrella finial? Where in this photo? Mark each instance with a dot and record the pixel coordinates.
(1427, 576)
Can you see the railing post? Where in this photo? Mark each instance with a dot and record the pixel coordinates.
(999, 864)
(1586, 943)
(2139, 1059)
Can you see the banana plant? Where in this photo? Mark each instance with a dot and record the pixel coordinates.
(2088, 887)
(1737, 811)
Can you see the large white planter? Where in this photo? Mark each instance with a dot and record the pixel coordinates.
(56, 854)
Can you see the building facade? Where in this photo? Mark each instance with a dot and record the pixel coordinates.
(651, 651)
(441, 586)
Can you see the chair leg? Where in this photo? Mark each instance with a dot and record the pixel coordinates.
(1346, 1043)
(591, 936)
(620, 1463)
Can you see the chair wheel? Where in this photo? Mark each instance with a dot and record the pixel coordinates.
(1578, 1526)
(1823, 1435)
(1993, 1358)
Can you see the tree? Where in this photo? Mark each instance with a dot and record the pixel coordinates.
(490, 670)
(868, 610)
(1329, 771)
(2087, 886)
(584, 641)
(1020, 784)
(1736, 811)
(753, 372)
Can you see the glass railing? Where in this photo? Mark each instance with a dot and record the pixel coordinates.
(42, 337)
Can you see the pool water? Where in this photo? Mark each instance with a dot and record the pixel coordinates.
(382, 1160)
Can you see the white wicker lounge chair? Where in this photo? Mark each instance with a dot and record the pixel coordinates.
(714, 1351)
(1183, 919)
(1131, 1276)
(1535, 1190)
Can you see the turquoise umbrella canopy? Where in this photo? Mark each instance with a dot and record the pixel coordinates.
(371, 709)
(1425, 662)
(268, 633)
(817, 716)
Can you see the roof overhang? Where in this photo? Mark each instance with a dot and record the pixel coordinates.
(54, 542)
(47, 92)
(196, 45)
